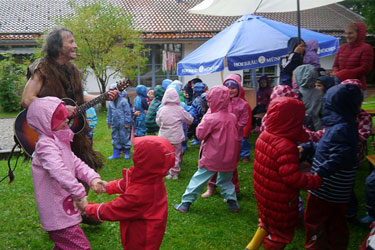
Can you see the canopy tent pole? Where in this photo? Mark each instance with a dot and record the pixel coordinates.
(255, 81)
(298, 22)
(222, 72)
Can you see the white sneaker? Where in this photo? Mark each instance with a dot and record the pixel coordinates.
(168, 176)
(174, 177)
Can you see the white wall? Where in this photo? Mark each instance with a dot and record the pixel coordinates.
(91, 84)
(327, 62)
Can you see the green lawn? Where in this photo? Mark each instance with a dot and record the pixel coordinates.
(208, 225)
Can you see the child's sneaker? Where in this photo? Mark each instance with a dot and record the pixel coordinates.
(233, 206)
(183, 207)
(174, 177)
(168, 176)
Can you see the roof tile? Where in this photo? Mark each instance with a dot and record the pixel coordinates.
(164, 19)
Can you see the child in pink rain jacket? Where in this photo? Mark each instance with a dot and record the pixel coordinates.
(169, 118)
(239, 107)
(55, 171)
(218, 132)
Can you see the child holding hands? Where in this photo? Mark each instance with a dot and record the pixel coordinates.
(56, 171)
(142, 207)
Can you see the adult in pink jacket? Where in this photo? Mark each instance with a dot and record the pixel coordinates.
(142, 207)
(170, 118)
(239, 107)
(354, 58)
(277, 177)
(55, 171)
(218, 152)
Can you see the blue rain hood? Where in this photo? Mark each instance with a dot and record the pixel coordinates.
(341, 104)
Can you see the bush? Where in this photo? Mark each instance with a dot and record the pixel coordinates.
(12, 81)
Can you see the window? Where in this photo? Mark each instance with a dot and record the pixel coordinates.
(270, 71)
(166, 58)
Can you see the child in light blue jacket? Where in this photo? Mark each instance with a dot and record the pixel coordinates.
(120, 119)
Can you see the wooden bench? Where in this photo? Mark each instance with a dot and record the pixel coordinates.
(371, 159)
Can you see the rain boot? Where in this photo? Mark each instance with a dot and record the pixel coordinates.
(127, 154)
(210, 191)
(116, 154)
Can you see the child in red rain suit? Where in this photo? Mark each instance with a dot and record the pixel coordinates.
(142, 207)
(277, 178)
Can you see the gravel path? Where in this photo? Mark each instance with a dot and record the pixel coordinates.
(6, 133)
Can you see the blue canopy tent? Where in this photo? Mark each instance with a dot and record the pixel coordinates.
(250, 42)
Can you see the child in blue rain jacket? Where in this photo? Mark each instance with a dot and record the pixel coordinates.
(91, 120)
(197, 110)
(120, 118)
(140, 108)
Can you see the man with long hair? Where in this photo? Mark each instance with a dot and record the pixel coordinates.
(56, 75)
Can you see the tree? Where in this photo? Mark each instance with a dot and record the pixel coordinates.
(12, 81)
(107, 42)
(365, 8)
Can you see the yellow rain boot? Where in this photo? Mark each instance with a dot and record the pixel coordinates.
(257, 239)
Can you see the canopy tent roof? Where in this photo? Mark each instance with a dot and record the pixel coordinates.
(250, 42)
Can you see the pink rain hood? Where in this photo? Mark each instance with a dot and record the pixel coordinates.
(219, 133)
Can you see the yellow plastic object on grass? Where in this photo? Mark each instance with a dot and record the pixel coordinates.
(257, 239)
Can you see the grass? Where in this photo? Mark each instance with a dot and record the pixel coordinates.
(8, 115)
(208, 225)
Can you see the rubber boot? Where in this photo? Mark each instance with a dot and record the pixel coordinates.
(210, 191)
(116, 154)
(127, 154)
(257, 239)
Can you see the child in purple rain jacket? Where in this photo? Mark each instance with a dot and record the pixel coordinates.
(56, 171)
(311, 53)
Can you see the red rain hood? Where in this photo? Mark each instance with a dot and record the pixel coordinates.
(285, 116)
(153, 157)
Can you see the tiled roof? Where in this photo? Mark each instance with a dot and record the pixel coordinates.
(177, 35)
(172, 16)
(33, 16)
(17, 36)
(158, 19)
